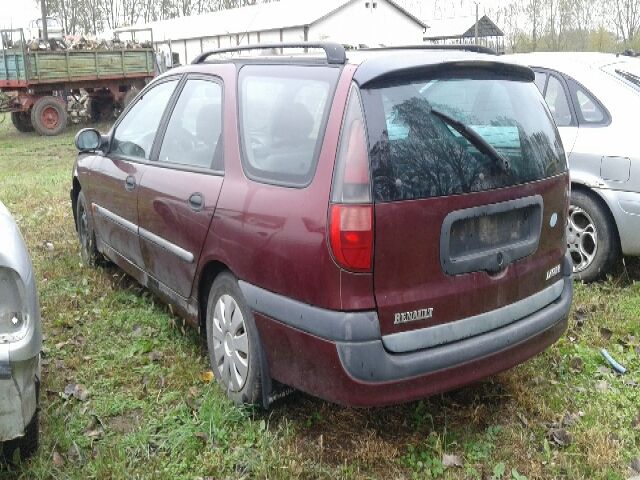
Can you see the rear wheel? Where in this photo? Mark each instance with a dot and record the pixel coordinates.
(88, 250)
(233, 342)
(22, 121)
(591, 238)
(49, 116)
(100, 108)
(130, 96)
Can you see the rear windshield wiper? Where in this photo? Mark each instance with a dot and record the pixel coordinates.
(475, 139)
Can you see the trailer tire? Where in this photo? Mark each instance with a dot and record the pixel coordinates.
(22, 121)
(101, 108)
(49, 116)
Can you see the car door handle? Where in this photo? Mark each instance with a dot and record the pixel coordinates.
(196, 202)
(130, 183)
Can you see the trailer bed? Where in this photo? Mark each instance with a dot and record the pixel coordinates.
(20, 69)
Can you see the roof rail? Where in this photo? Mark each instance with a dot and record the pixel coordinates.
(334, 51)
(467, 48)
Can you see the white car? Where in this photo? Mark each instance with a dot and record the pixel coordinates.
(20, 343)
(595, 99)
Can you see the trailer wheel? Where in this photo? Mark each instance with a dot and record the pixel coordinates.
(49, 116)
(22, 121)
(130, 96)
(100, 108)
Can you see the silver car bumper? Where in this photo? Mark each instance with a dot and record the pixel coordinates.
(18, 396)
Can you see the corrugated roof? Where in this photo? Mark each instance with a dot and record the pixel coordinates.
(461, 27)
(254, 18)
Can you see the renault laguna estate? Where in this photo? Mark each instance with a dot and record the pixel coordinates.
(370, 226)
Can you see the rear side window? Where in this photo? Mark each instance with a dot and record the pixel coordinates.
(558, 102)
(283, 114)
(417, 149)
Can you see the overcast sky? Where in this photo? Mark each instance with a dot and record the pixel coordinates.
(18, 13)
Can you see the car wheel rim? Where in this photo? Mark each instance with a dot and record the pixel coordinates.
(83, 230)
(230, 343)
(582, 238)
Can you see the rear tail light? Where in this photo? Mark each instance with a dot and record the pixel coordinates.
(351, 211)
(351, 236)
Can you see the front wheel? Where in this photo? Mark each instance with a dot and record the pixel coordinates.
(27, 444)
(86, 237)
(592, 241)
(233, 341)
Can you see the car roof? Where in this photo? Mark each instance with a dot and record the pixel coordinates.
(569, 61)
(376, 63)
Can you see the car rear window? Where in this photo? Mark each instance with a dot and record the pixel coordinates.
(283, 113)
(416, 153)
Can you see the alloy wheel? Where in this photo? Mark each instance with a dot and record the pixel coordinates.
(230, 343)
(582, 238)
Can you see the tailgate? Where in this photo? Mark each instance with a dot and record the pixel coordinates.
(470, 188)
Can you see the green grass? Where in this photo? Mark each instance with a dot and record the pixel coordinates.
(154, 416)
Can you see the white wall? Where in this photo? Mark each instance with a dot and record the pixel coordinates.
(355, 24)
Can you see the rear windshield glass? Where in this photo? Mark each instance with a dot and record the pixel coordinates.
(283, 111)
(423, 137)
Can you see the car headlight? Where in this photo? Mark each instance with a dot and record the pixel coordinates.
(14, 310)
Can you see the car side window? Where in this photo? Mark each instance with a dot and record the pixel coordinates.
(283, 114)
(541, 80)
(135, 133)
(589, 109)
(557, 101)
(194, 133)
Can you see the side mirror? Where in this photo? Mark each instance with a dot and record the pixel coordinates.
(88, 140)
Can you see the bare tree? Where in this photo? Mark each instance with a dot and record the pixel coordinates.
(627, 18)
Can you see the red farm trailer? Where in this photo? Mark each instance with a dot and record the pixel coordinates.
(43, 89)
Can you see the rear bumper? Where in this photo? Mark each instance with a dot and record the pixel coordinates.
(360, 372)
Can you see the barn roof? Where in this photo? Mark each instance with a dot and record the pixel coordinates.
(254, 18)
(461, 27)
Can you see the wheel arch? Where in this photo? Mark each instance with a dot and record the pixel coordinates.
(602, 201)
(208, 274)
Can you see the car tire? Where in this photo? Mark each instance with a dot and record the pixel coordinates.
(233, 342)
(86, 236)
(49, 116)
(22, 121)
(592, 239)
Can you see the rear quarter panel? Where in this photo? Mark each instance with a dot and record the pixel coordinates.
(275, 237)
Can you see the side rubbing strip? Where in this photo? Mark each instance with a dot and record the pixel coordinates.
(469, 327)
(152, 237)
(117, 219)
(168, 246)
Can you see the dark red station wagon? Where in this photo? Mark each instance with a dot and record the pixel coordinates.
(370, 226)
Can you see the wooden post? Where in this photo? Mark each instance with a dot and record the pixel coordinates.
(43, 11)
